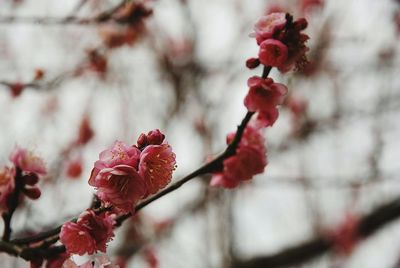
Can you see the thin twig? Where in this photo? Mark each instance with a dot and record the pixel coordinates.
(13, 204)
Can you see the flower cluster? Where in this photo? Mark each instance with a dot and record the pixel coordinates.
(282, 45)
(125, 174)
(24, 175)
(250, 159)
(89, 234)
(281, 42)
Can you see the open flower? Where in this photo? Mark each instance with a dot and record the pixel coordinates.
(89, 234)
(27, 161)
(157, 162)
(120, 186)
(77, 239)
(268, 25)
(116, 178)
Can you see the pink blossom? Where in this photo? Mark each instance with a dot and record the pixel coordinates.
(89, 234)
(273, 53)
(263, 97)
(100, 227)
(120, 186)
(7, 186)
(248, 162)
(27, 161)
(116, 178)
(77, 239)
(119, 154)
(157, 162)
(250, 159)
(267, 26)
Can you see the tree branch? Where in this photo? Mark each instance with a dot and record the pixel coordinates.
(209, 167)
(306, 251)
(102, 17)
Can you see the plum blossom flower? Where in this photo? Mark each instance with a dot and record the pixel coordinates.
(263, 97)
(7, 186)
(28, 167)
(77, 239)
(116, 178)
(268, 25)
(157, 162)
(250, 159)
(89, 234)
(27, 161)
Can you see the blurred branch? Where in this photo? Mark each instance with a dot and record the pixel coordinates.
(313, 248)
(44, 85)
(105, 16)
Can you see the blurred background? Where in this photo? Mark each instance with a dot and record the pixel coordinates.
(77, 75)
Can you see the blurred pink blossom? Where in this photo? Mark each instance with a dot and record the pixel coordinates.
(27, 161)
